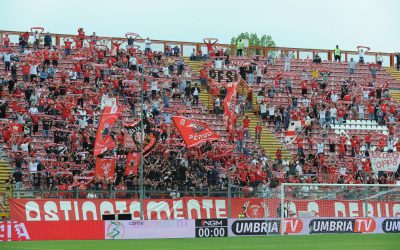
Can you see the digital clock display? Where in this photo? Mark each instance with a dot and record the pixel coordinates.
(211, 228)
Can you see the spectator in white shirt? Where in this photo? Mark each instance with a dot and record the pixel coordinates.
(320, 148)
(361, 112)
(7, 61)
(361, 54)
(258, 74)
(322, 117)
(32, 166)
(334, 98)
(33, 110)
(217, 105)
(218, 64)
(342, 170)
(133, 63)
(271, 111)
(154, 89)
(25, 147)
(147, 44)
(352, 66)
(165, 71)
(333, 112)
(379, 59)
(287, 57)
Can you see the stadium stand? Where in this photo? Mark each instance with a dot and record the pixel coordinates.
(51, 93)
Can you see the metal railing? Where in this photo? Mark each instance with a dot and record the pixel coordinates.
(300, 53)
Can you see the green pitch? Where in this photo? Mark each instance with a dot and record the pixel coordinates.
(320, 242)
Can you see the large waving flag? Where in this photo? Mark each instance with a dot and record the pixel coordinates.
(295, 128)
(229, 104)
(104, 142)
(151, 135)
(194, 132)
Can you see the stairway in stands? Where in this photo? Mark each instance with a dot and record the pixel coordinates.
(204, 96)
(395, 93)
(5, 172)
(194, 65)
(269, 141)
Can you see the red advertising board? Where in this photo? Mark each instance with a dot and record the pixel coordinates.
(55, 230)
(190, 208)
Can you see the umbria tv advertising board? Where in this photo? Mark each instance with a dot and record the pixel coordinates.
(80, 219)
(199, 228)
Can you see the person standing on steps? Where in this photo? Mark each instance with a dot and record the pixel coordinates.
(398, 60)
(287, 57)
(17, 175)
(195, 93)
(258, 130)
(337, 54)
(246, 126)
(239, 47)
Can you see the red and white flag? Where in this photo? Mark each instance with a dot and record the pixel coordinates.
(229, 104)
(294, 129)
(16, 127)
(132, 163)
(105, 168)
(194, 132)
(104, 142)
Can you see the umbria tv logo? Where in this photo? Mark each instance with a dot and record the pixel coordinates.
(357, 225)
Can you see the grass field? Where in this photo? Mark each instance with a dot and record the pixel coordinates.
(322, 242)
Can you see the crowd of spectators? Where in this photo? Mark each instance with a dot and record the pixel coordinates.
(52, 98)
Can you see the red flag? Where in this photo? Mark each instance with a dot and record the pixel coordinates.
(105, 168)
(16, 127)
(229, 104)
(194, 132)
(104, 141)
(132, 163)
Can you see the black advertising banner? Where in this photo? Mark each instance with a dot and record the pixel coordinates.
(205, 228)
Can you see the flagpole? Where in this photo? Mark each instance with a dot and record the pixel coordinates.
(141, 188)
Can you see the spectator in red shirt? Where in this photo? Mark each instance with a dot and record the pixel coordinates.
(368, 141)
(240, 137)
(67, 46)
(381, 143)
(78, 69)
(300, 146)
(304, 88)
(246, 125)
(258, 131)
(6, 41)
(25, 71)
(231, 136)
(86, 75)
(278, 155)
(203, 77)
(55, 57)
